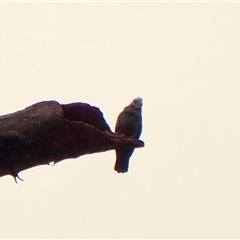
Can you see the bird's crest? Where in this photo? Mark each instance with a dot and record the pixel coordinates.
(137, 102)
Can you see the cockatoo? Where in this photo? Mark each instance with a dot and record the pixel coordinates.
(129, 123)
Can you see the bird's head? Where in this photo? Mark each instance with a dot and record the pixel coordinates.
(137, 102)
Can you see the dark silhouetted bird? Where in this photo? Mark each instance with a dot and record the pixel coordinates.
(129, 123)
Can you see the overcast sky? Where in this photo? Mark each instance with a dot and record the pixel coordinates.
(183, 60)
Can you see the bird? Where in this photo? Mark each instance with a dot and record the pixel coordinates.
(129, 123)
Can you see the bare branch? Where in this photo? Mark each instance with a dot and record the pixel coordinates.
(49, 132)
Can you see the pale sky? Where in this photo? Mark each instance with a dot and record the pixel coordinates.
(183, 60)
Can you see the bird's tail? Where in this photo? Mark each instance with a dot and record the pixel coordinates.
(122, 161)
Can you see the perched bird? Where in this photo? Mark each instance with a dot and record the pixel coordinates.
(129, 123)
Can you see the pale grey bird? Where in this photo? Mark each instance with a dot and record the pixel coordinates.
(129, 123)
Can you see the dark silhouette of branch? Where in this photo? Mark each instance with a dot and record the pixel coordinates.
(49, 132)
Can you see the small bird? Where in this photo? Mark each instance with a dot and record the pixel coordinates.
(129, 123)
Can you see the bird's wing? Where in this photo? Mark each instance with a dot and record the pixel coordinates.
(118, 123)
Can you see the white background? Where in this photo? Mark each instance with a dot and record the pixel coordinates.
(183, 60)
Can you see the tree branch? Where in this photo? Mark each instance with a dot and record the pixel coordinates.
(49, 132)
